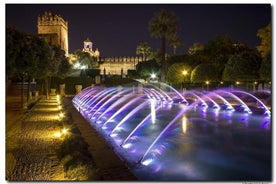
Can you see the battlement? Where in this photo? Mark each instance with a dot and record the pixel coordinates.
(122, 59)
(50, 19)
(54, 29)
(118, 65)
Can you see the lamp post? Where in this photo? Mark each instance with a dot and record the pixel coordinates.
(207, 83)
(184, 74)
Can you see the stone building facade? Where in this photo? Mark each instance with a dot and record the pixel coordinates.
(54, 29)
(118, 65)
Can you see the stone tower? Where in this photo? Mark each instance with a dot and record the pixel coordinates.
(54, 29)
(88, 47)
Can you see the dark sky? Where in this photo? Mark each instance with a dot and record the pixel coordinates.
(117, 29)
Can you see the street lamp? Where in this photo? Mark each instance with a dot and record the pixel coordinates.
(207, 83)
(184, 74)
(153, 76)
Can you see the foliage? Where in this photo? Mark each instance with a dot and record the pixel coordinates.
(265, 34)
(191, 61)
(156, 55)
(64, 66)
(14, 43)
(144, 49)
(76, 159)
(218, 51)
(205, 72)
(85, 58)
(163, 25)
(266, 69)
(174, 42)
(242, 67)
(195, 48)
(175, 73)
(145, 69)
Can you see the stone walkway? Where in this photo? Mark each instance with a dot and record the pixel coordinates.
(31, 145)
(31, 150)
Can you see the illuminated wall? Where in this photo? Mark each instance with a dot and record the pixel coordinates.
(116, 65)
(54, 29)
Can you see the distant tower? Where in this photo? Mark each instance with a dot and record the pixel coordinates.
(54, 29)
(87, 47)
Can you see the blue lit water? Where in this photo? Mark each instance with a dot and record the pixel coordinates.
(173, 142)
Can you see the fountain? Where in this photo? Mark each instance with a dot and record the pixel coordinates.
(196, 136)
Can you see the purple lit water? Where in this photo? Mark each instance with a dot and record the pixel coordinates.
(162, 141)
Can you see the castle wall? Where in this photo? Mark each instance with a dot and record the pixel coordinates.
(116, 65)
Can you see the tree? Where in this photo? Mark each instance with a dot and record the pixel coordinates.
(242, 67)
(145, 69)
(163, 25)
(195, 48)
(175, 73)
(144, 49)
(86, 59)
(175, 42)
(265, 34)
(265, 69)
(29, 56)
(205, 72)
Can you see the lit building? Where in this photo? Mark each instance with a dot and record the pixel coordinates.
(54, 29)
(88, 47)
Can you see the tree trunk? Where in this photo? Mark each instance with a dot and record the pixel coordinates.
(163, 62)
(29, 89)
(46, 87)
(22, 92)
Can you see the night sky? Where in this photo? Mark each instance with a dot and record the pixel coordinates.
(117, 29)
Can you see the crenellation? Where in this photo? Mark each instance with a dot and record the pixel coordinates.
(49, 24)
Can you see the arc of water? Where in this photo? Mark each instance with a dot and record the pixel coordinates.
(121, 109)
(83, 97)
(267, 111)
(111, 99)
(102, 99)
(198, 97)
(163, 95)
(181, 96)
(151, 93)
(139, 125)
(131, 113)
(237, 98)
(114, 105)
(161, 92)
(215, 104)
(223, 99)
(99, 95)
(160, 135)
(88, 97)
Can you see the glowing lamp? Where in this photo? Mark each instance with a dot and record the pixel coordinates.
(153, 75)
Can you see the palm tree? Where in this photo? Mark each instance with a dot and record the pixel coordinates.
(144, 49)
(175, 42)
(163, 25)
